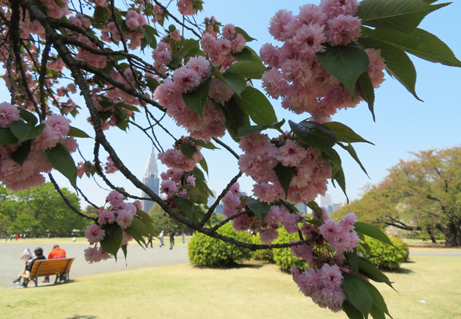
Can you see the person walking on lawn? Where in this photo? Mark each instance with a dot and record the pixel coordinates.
(161, 239)
(171, 239)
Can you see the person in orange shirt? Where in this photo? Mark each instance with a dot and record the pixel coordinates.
(56, 253)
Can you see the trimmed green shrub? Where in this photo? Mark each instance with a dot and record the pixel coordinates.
(384, 256)
(207, 251)
(262, 254)
(284, 257)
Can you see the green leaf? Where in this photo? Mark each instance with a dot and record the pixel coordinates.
(188, 149)
(315, 207)
(357, 293)
(112, 241)
(284, 176)
(244, 55)
(353, 260)
(317, 222)
(367, 92)
(60, 158)
(120, 118)
(352, 152)
(235, 82)
(100, 14)
(248, 69)
(125, 250)
(372, 231)
(204, 144)
(128, 106)
(257, 106)
(378, 300)
(139, 227)
(344, 133)
(260, 209)
(335, 161)
(7, 137)
(245, 35)
(351, 311)
(420, 43)
(247, 130)
(395, 15)
(314, 134)
(136, 236)
(185, 205)
(27, 116)
(340, 178)
(148, 222)
(20, 155)
(235, 118)
(176, 60)
(398, 64)
(20, 129)
(346, 63)
(376, 313)
(75, 132)
(196, 99)
(372, 272)
(204, 165)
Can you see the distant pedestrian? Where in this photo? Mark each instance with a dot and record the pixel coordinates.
(171, 239)
(17, 236)
(149, 241)
(182, 237)
(161, 239)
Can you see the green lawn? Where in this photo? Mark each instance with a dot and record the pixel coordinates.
(251, 291)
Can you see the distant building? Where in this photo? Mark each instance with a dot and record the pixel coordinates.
(150, 179)
(325, 202)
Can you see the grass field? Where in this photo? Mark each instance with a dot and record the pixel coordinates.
(251, 291)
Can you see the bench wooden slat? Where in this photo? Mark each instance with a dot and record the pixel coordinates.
(50, 267)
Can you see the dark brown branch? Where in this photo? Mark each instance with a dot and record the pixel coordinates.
(66, 200)
(226, 147)
(165, 10)
(220, 197)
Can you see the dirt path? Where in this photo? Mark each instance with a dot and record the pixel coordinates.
(10, 265)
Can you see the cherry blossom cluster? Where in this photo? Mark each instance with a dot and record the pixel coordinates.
(185, 79)
(323, 285)
(325, 257)
(296, 75)
(234, 203)
(219, 49)
(28, 175)
(173, 185)
(262, 155)
(119, 212)
(186, 7)
(176, 159)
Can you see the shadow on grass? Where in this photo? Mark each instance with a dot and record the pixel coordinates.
(82, 317)
(401, 271)
(233, 266)
(51, 285)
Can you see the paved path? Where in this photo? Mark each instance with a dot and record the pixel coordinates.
(10, 265)
(456, 253)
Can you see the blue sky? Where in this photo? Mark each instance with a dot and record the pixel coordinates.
(403, 123)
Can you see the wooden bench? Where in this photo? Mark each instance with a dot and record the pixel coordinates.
(50, 267)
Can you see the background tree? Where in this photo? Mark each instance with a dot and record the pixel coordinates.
(420, 194)
(41, 210)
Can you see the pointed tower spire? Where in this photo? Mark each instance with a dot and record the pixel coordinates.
(150, 179)
(151, 167)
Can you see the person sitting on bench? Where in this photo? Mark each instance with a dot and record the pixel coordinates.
(29, 264)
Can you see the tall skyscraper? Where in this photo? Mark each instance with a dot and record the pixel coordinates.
(151, 180)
